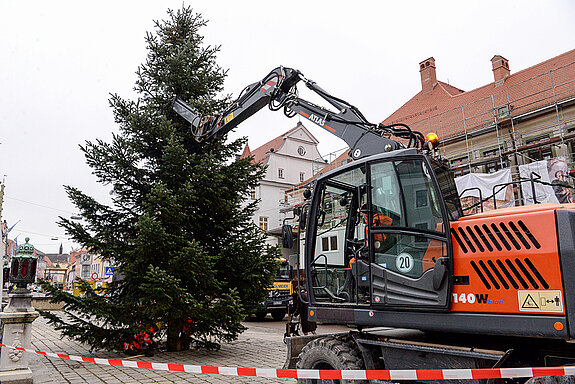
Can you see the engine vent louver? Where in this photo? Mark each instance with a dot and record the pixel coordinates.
(504, 273)
(496, 237)
(512, 273)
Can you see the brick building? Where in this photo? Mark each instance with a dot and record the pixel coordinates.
(516, 119)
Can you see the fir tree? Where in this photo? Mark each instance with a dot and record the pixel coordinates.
(179, 229)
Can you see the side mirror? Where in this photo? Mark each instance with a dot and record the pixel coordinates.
(287, 236)
(439, 272)
(307, 194)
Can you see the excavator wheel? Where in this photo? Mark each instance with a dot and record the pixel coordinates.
(330, 353)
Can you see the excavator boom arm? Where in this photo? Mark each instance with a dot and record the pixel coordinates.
(278, 90)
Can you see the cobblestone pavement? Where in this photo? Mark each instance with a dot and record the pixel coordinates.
(260, 346)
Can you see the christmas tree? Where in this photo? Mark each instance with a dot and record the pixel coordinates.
(179, 229)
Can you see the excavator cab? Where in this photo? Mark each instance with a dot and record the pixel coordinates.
(378, 235)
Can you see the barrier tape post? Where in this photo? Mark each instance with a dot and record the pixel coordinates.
(397, 374)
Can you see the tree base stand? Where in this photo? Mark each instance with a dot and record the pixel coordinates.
(17, 320)
(16, 376)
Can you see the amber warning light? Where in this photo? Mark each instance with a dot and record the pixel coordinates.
(432, 139)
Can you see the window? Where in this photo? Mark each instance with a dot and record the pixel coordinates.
(540, 152)
(420, 198)
(338, 200)
(404, 195)
(496, 163)
(85, 271)
(252, 193)
(333, 243)
(502, 112)
(460, 166)
(302, 176)
(264, 223)
(420, 203)
(448, 190)
(281, 173)
(329, 243)
(301, 151)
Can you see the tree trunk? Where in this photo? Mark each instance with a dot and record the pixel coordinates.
(174, 330)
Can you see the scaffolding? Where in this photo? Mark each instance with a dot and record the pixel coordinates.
(528, 121)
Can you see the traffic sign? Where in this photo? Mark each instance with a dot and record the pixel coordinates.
(95, 276)
(109, 271)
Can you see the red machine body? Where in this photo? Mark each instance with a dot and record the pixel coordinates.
(512, 259)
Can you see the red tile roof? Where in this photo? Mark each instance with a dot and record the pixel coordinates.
(246, 152)
(342, 159)
(440, 110)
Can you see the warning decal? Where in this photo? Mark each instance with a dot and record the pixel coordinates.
(540, 301)
(529, 303)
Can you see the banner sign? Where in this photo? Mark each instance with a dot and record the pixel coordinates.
(470, 185)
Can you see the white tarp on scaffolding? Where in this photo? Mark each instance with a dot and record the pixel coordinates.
(553, 172)
(473, 182)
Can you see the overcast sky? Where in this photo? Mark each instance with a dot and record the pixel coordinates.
(60, 60)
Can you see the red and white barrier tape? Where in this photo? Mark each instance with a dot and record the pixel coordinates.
(394, 374)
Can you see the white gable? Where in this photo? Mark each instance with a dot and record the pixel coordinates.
(302, 134)
(300, 143)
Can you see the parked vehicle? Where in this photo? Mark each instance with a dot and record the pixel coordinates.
(279, 295)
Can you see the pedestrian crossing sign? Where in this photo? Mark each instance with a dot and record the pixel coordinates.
(109, 271)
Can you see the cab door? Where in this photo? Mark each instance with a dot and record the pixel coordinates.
(410, 255)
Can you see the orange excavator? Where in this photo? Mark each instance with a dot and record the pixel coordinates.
(431, 288)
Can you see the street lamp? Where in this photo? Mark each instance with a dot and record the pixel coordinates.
(5, 270)
(23, 268)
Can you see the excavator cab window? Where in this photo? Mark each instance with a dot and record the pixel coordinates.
(337, 224)
(448, 189)
(405, 200)
(376, 228)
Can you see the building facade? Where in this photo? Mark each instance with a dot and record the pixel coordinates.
(519, 118)
(289, 160)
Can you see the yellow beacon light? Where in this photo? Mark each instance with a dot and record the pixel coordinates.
(432, 139)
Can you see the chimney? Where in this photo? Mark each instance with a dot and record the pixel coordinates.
(428, 76)
(500, 69)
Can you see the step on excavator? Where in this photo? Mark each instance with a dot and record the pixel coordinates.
(420, 285)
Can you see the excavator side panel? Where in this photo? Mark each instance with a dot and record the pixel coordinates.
(508, 264)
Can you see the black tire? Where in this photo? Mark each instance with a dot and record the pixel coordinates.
(260, 315)
(278, 314)
(330, 353)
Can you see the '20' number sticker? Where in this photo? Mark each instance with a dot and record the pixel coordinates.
(404, 262)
